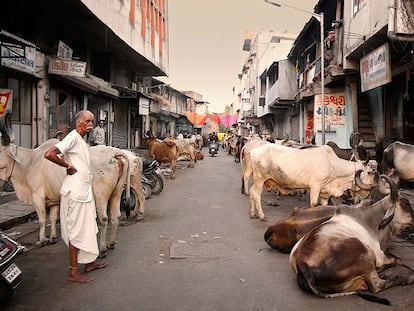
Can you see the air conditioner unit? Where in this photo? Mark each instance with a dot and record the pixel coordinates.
(133, 86)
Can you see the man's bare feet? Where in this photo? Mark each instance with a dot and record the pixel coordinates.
(75, 276)
(95, 265)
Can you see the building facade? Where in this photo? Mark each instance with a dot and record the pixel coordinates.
(58, 57)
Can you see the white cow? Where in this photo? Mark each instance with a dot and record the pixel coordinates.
(315, 168)
(37, 181)
(186, 151)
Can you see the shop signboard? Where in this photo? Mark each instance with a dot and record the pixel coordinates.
(335, 111)
(375, 68)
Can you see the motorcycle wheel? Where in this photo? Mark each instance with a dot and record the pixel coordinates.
(133, 201)
(157, 183)
(147, 190)
(6, 293)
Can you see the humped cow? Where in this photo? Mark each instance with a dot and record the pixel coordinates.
(164, 152)
(315, 168)
(343, 255)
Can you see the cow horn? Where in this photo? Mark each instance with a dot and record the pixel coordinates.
(6, 129)
(394, 194)
(360, 183)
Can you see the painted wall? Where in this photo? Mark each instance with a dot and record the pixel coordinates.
(142, 24)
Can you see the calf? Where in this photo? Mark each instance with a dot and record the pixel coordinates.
(342, 256)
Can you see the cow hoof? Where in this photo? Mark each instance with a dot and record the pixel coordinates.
(53, 240)
(263, 219)
(140, 217)
(42, 243)
(253, 216)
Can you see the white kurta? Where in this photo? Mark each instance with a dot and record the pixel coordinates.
(77, 205)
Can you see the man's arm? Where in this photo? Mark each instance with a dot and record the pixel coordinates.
(54, 155)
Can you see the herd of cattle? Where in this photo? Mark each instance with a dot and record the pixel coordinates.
(335, 249)
(116, 173)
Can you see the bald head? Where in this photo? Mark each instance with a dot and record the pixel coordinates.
(84, 122)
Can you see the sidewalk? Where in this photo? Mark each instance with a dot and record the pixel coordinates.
(13, 212)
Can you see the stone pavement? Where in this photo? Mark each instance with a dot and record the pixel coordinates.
(13, 212)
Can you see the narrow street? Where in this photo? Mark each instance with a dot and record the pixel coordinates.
(196, 249)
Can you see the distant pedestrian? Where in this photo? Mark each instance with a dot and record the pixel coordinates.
(98, 134)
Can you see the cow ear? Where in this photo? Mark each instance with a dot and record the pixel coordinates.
(389, 215)
(12, 151)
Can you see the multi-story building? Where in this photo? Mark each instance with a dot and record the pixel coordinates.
(262, 90)
(368, 71)
(58, 57)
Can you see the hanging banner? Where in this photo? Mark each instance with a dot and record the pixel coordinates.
(229, 119)
(6, 100)
(196, 118)
(335, 111)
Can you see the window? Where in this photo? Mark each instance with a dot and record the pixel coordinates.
(356, 5)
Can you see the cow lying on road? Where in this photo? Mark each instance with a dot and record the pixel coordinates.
(343, 255)
(284, 234)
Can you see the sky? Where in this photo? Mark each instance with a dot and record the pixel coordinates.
(206, 40)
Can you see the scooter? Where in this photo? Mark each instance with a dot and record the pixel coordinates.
(151, 170)
(10, 274)
(213, 148)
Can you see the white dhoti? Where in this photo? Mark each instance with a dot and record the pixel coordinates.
(78, 225)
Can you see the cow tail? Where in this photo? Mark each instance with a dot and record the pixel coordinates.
(241, 164)
(125, 177)
(372, 298)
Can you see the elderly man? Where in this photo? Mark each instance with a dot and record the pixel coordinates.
(77, 204)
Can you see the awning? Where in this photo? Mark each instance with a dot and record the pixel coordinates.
(104, 86)
(82, 83)
(91, 84)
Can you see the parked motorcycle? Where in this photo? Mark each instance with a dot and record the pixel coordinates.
(11, 275)
(128, 207)
(151, 170)
(146, 187)
(213, 148)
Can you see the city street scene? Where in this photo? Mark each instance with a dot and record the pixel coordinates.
(207, 155)
(196, 249)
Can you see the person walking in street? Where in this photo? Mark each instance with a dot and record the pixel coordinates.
(77, 205)
(98, 134)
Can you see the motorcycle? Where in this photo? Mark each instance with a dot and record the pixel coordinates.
(151, 170)
(213, 148)
(130, 206)
(11, 276)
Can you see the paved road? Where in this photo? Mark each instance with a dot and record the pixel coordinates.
(196, 249)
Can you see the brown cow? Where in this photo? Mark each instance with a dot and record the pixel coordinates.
(343, 255)
(164, 152)
(284, 234)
